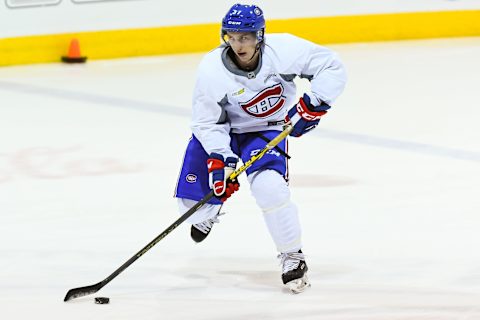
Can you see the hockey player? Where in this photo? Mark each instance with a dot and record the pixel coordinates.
(244, 94)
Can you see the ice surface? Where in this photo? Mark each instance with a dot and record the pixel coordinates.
(388, 189)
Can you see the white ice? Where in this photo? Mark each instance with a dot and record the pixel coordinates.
(388, 189)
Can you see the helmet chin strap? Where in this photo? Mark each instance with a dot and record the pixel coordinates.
(257, 48)
(253, 55)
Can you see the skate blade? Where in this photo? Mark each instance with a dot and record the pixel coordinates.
(298, 285)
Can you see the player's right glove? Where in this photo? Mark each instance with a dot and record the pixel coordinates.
(305, 116)
(219, 170)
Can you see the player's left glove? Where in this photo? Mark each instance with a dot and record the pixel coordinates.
(305, 116)
(219, 171)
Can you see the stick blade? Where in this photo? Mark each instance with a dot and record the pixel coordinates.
(82, 291)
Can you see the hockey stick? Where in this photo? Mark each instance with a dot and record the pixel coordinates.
(84, 291)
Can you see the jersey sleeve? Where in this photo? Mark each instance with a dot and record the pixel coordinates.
(321, 66)
(210, 123)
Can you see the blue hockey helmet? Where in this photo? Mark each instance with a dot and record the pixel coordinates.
(244, 18)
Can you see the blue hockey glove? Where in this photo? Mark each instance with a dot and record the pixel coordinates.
(305, 116)
(219, 171)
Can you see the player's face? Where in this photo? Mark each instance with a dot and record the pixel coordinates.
(243, 44)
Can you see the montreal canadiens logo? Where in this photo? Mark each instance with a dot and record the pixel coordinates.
(191, 178)
(266, 103)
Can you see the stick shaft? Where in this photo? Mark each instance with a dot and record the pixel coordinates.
(83, 291)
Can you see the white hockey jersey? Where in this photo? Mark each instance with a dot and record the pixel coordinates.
(228, 99)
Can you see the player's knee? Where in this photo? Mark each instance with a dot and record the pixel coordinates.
(270, 190)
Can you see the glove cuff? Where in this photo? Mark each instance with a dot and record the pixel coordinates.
(309, 112)
(231, 162)
(215, 162)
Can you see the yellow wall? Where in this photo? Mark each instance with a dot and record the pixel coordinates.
(203, 37)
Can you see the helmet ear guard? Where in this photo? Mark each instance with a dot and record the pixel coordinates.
(260, 35)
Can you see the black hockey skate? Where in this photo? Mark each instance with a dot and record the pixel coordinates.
(294, 271)
(200, 231)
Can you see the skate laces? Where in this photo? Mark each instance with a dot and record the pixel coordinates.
(206, 225)
(290, 260)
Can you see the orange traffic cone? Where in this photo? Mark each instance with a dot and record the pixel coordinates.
(74, 55)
